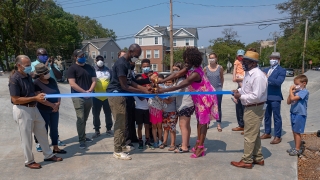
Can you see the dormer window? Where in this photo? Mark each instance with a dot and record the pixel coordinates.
(187, 41)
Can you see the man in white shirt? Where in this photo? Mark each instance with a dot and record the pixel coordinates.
(253, 95)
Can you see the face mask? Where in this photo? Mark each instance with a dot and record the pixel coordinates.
(82, 60)
(47, 76)
(134, 59)
(175, 71)
(146, 69)
(273, 62)
(100, 63)
(161, 85)
(298, 87)
(27, 70)
(240, 58)
(43, 58)
(245, 67)
(212, 60)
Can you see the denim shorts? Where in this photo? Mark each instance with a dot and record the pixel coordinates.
(298, 123)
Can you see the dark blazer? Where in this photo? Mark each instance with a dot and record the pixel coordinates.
(275, 81)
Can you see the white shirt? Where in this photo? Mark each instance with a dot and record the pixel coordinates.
(271, 70)
(254, 87)
(141, 104)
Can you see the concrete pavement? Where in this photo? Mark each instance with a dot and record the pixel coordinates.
(97, 162)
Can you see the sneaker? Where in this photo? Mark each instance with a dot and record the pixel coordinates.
(140, 144)
(127, 148)
(38, 147)
(110, 133)
(89, 140)
(60, 143)
(96, 134)
(82, 145)
(122, 156)
(155, 145)
(295, 152)
(290, 150)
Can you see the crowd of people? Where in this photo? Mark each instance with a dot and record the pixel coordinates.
(257, 96)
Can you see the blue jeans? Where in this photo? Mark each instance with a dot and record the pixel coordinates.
(52, 120)
(239, 113)
(219, 96)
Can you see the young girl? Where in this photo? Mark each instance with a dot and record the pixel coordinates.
(206, 106)
(170, 119)
(155, 110)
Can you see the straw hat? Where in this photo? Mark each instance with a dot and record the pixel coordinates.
(252, 56)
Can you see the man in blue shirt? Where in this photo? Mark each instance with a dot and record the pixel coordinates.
(276, 75)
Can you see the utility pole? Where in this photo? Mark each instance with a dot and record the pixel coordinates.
(171, 37)
(304, 45)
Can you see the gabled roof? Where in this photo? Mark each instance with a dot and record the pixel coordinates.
(98, 43)
(191, 31)
(148, 26)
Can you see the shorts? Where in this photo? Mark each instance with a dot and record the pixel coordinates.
(142, 116)
(186, 111)
(170, 120)
(298, 123)
(155, 115)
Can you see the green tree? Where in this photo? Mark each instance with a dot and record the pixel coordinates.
(177, 56)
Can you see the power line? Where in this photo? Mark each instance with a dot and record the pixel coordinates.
(87, 4)
(124, 12)
(243, 6)
(68, 2)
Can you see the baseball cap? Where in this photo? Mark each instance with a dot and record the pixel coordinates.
(240, 52)
(78, 52)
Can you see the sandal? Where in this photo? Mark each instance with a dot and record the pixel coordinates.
(180, 145)
(162, 146)
(202, 154)
(180, 150)
(172, 148)
(194, 148)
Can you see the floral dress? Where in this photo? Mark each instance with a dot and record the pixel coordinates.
(206, 105)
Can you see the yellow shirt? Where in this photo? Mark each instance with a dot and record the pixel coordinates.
(103, 80)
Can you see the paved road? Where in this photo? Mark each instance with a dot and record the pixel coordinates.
(97, 162)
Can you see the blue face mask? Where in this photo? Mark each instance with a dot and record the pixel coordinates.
(81, 60)
(43, 58)
(146, 69)
(27, 70)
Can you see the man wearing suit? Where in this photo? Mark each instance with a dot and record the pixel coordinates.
(276, 75)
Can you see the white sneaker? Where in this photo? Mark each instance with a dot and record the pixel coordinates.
(127, 148)
(122, 156)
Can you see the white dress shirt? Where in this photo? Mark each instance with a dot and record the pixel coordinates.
(271, 70)
(254, 87)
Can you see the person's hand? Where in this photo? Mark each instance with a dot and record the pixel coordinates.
(40, 97)
(146, 90)
(265, 74)
(234, 79)
(237, 95)
(292, 89)
(160, 91)
(88, 91)
(235, 91)
(55, 107)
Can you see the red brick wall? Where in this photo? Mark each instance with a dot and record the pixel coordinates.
(153, 60)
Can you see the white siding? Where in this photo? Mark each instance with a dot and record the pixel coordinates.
(181, 42)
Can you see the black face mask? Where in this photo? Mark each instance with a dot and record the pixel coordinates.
(246, 67)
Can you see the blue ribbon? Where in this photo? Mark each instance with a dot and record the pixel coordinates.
(133, 94)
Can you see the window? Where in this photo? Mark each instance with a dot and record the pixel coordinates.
(140, 41)
(93, 54)
(156, 40)
(105, 54)
(174, 42)
(142, 55)
(154, 67)
(187, 41)
(148, 52)
(112, 55)
(86, 54)
(156, 53)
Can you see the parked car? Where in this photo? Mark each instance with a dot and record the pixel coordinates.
(289, 72)
(316, 68)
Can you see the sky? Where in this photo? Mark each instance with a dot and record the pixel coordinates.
(128, 17)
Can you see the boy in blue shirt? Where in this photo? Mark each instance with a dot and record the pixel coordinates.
(298, 98)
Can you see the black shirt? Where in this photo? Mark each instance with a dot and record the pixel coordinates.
(82, 74)
(22, 86)
(120, 68)
(50, 88)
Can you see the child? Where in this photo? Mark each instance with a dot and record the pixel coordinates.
(298, 98)
(170, 119)
(206, 105)
(155, 110)
(238, 72)
(142, 117)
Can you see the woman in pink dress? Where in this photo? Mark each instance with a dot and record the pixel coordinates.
(206, 106)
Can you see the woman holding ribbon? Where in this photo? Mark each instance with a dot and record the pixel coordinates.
(206, 106)
(49, 109)
(214, 72)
